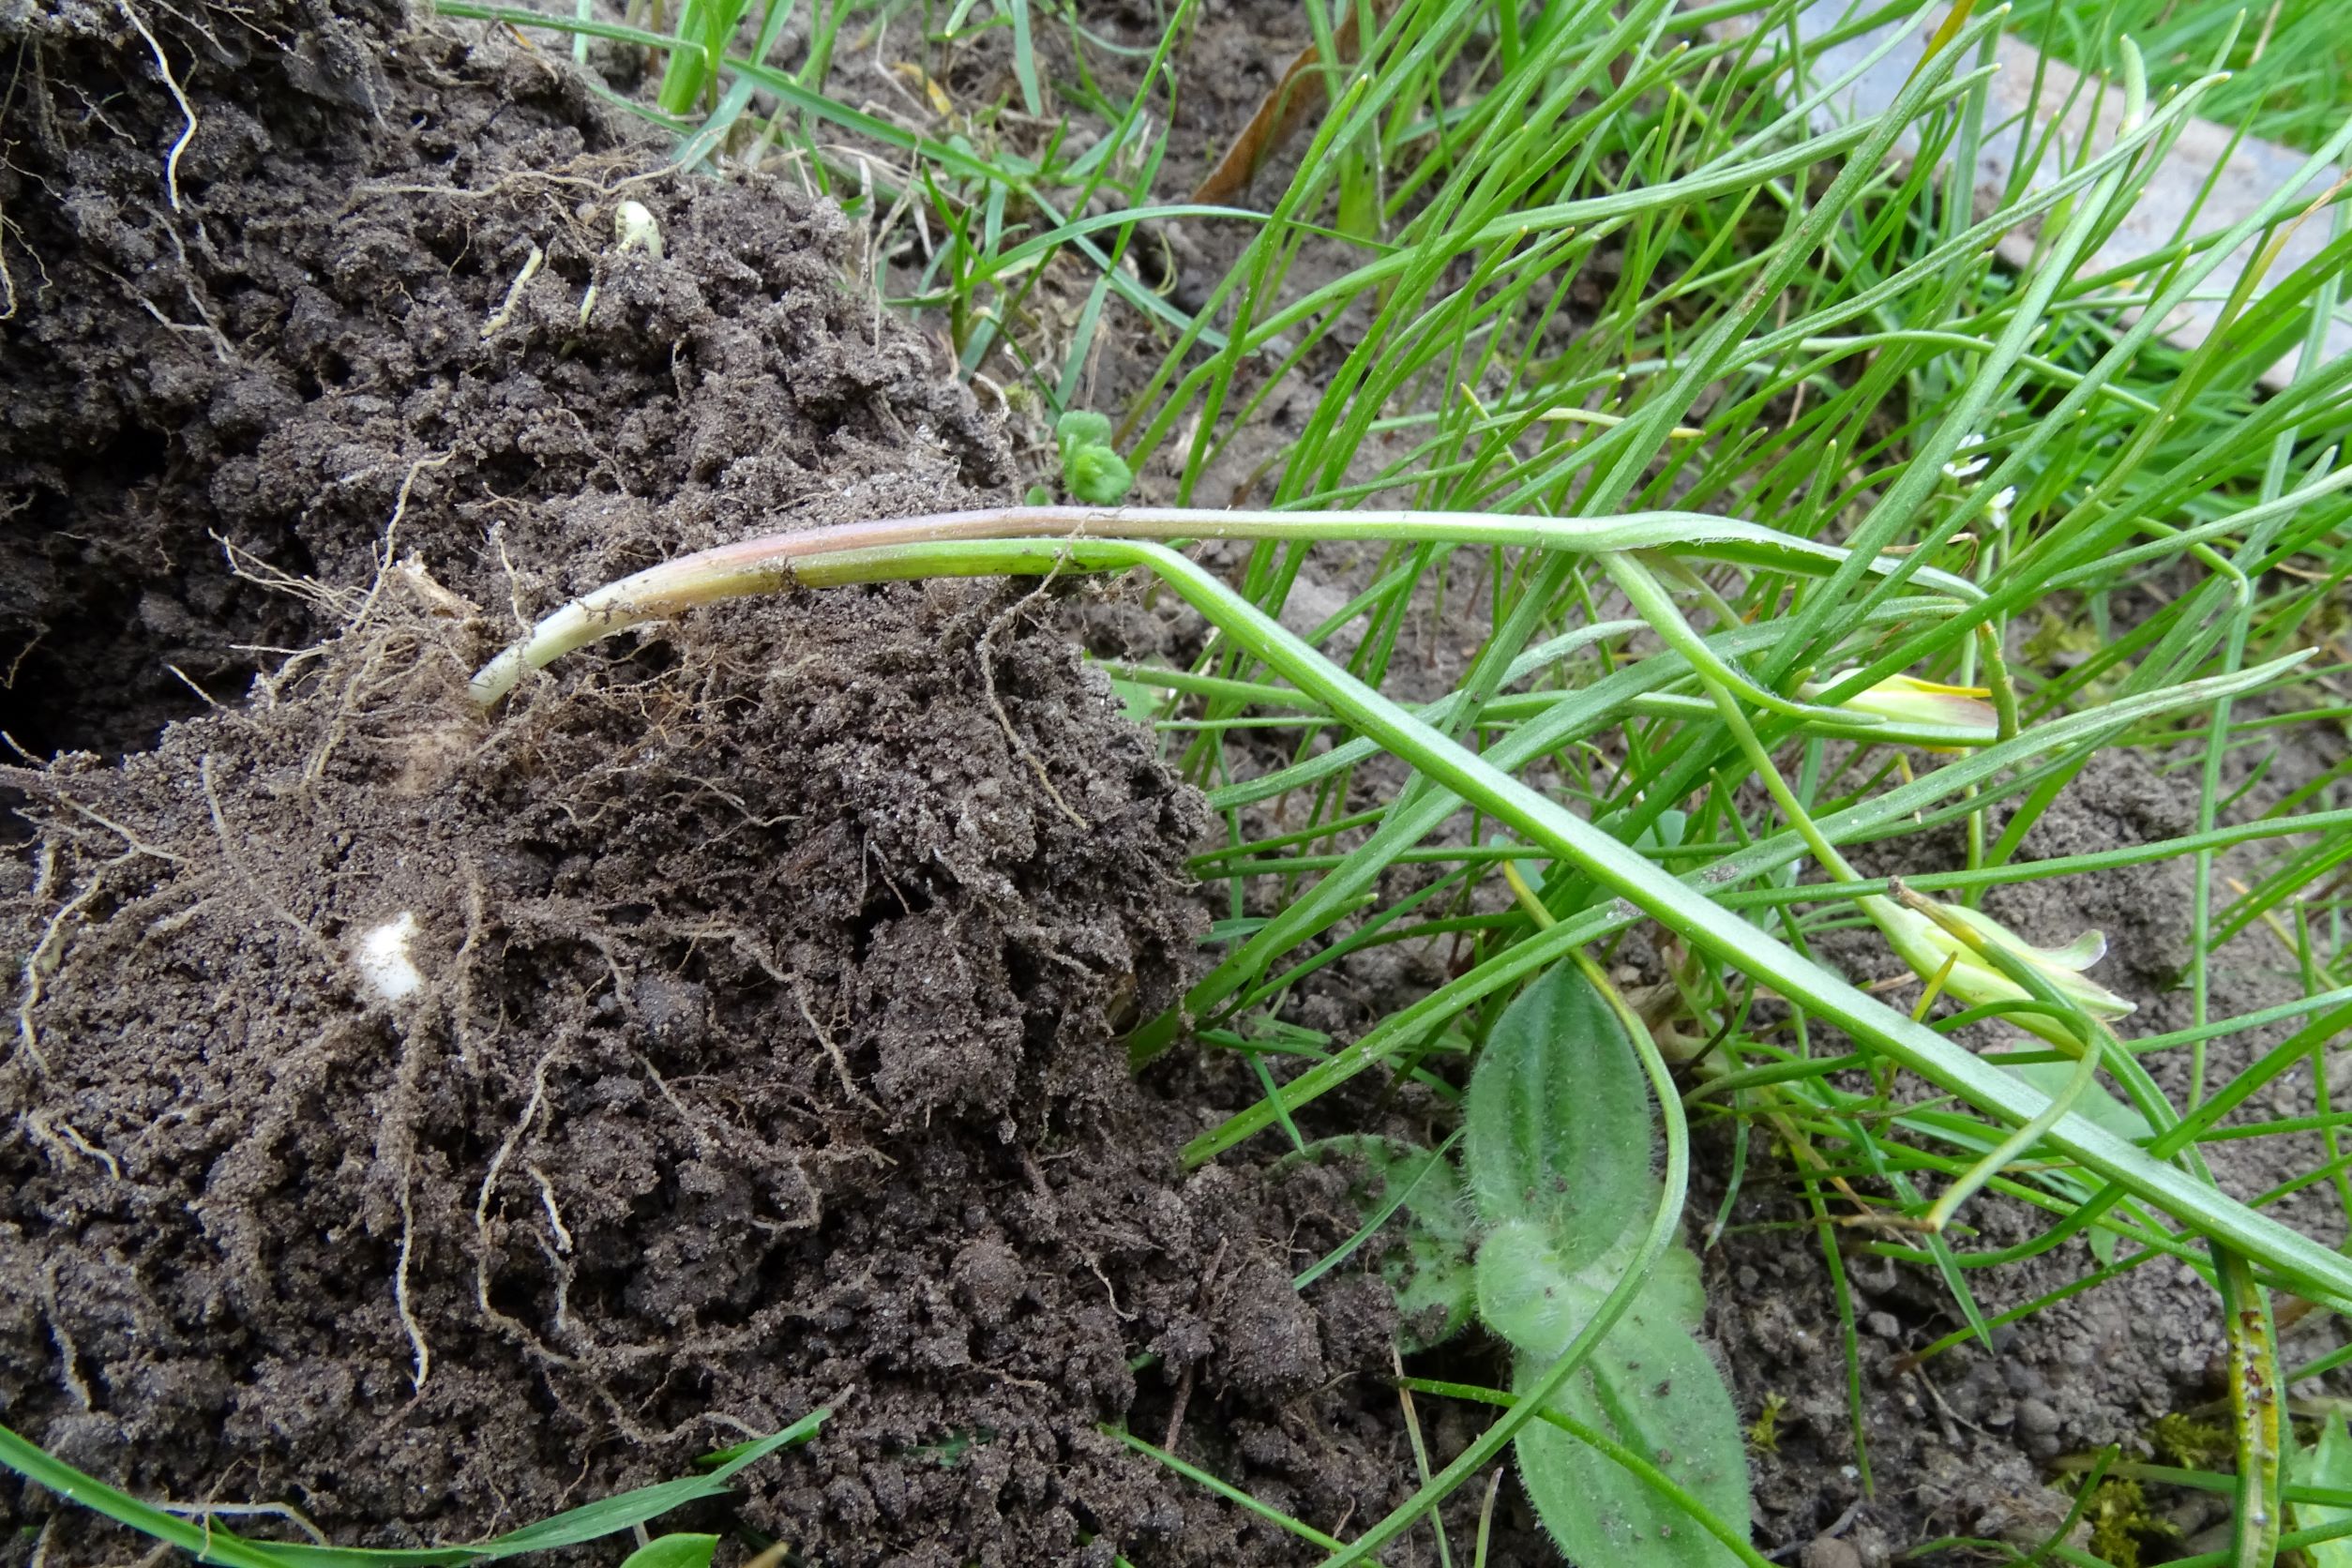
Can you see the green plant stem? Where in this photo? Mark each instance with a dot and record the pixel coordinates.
(2314, 1271)
(777, 560)
(2254, 1395)
(2053, 737)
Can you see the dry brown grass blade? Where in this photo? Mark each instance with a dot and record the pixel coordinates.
(1944, 35)
(1279, 115)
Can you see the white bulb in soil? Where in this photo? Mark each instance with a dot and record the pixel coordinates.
(384, 962)
(634, 228)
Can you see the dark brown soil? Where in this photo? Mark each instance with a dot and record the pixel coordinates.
(759, 1061)
(304, 350)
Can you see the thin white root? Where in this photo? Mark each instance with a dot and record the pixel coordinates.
(554, 1214)
(484, 1197)
(46, 1128)
(188, 109)
(506, 312)
(423, 1351)
(1005, 721)
(840, 1063)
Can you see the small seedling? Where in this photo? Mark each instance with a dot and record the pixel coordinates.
(1091, 468)
(1556, 1188)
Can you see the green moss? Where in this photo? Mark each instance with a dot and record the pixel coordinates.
(2190, 1443)
(2121, 1528)
(2119, 1519)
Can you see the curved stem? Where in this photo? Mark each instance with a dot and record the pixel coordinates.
(2312, 1270)
(778, 561)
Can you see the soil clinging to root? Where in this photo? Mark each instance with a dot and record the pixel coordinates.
(432, 1123)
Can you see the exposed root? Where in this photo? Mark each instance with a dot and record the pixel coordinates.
(163, 68)
(69, 1355)
(423, 1365)
(44, 957)
(840, 1063)
(461, 1003)
(988, 684)
(41, 959)
(46, 1128)
(208, 332)
(705, 1144)
(519, 1331)
(506, 311)
(260, 889)
(341, 604)
(554, 1214)
(396, 1148)
(389, 551)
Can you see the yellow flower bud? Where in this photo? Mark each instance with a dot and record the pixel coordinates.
(1927, 947)
(1916, 703)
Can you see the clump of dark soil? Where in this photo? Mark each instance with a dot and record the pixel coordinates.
(432, 1122)
(361, 293)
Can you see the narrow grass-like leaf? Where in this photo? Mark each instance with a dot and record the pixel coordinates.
(210, 1543)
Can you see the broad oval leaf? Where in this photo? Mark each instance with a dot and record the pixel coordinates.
(1528, 1295)
(1654, 1390)
(2328, 1464)
(1556, 1125)
(673, 1551)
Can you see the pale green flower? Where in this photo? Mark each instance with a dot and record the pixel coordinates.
(1926, 947)
(1908, 701)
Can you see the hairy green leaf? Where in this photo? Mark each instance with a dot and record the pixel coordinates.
(1653, 1389)
(1427, 1261)
(1556, 1126)
(2328, 1463)
(1557, 1139)
(1529, 1294)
